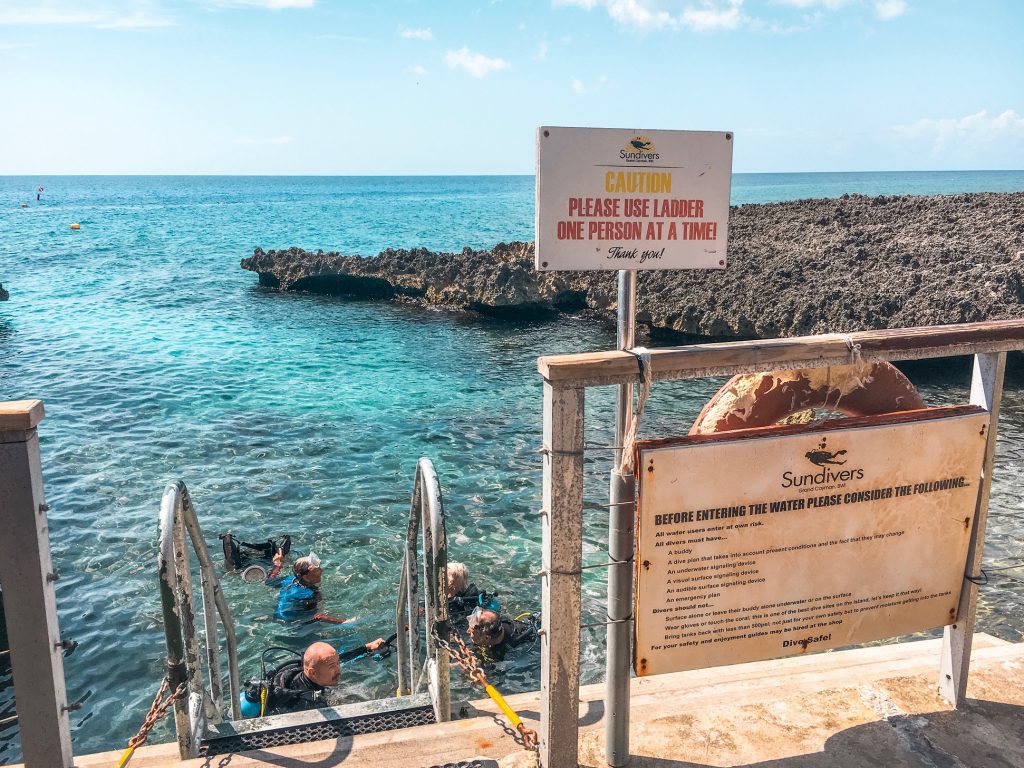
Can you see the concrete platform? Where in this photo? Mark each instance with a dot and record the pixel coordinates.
(863, 708)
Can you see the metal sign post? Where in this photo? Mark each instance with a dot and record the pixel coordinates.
(621, 516)
(609, 198)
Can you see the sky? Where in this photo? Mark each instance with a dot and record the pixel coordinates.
(325, 87)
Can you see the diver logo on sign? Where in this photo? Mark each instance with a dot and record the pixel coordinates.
(821, 457)
(639, 149)
(827, 477)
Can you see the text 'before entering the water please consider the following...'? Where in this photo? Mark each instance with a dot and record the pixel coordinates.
(776, 541)
(629, 199)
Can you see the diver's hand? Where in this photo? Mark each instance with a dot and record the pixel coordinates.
(279, 557)
(373, 645)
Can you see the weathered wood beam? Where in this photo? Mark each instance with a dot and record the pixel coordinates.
(730, 358)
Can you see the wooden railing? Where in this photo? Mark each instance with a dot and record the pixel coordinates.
(566, 378)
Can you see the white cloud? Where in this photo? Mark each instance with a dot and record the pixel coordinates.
(542, 52)
(648, 15)
(712, 16)
(718, 15)
(640, 14)
(475, 64)
(578, 86)
(884, 9)
(416, 34)
(122, 14)
(890, 9)
(417, 70)
(973, 131)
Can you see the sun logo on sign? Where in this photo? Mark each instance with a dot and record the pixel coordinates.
(639, 144)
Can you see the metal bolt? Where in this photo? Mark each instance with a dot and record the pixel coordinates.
(53, 576)
(546, 134)
(728, 137)
(44, 508)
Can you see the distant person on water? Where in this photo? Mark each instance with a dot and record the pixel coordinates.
(299, 685)
(463, 596)
(495, 635)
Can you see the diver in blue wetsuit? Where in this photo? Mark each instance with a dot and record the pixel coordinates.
(300, 593)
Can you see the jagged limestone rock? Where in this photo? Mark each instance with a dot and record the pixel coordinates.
(795, 268)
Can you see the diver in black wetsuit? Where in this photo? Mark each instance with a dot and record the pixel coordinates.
(298, 685)
(495, 635)
(464, 597)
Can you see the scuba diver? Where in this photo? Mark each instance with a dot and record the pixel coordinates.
(464, 597)
(494, 635)
(300, 593)
(298, 684)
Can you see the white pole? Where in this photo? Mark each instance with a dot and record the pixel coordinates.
(621, 517)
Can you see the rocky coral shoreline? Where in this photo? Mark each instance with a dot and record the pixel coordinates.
(795, 268)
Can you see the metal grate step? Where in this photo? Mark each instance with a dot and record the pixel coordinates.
(318, 724)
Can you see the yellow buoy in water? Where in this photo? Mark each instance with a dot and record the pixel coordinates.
(76, 226)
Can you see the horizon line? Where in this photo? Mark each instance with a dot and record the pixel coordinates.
(464, 175)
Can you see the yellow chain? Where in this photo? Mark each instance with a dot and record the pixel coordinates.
(467, 660)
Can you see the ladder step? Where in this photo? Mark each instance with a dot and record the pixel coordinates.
(318, 724)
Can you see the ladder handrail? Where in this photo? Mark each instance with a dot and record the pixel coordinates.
(177, 516)
(426, 517)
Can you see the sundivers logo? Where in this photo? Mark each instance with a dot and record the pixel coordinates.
(825, 459)
(639, 149)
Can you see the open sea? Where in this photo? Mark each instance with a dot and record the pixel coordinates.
(158, 358)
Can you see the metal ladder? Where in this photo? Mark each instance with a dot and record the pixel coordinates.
(194, 713)
(426, 517)
(206, 725)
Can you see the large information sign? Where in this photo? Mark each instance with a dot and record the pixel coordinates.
(631, 199)
(773, 542)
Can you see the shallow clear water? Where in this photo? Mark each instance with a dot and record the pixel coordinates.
(159, 358)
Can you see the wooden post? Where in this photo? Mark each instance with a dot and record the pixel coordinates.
(27, 576)
(562, 518)
(986, 391)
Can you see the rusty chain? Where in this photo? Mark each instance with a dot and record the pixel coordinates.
(157, 710)
(461, 654)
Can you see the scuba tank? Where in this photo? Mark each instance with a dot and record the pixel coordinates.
(253, 700)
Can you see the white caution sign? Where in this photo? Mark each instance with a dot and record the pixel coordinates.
(632, 199)
(785, 540)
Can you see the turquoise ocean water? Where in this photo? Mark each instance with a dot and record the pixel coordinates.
(159, 358)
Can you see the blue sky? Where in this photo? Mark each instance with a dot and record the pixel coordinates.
(424, 87)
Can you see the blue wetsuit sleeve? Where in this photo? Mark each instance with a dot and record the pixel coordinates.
(277, 582)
